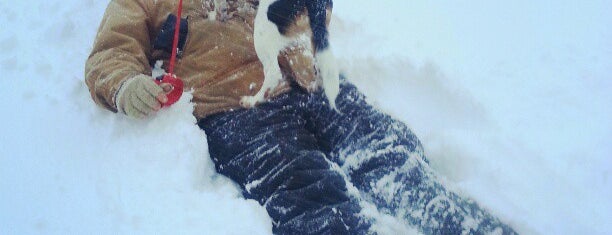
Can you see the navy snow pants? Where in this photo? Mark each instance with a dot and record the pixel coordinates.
(297, 157)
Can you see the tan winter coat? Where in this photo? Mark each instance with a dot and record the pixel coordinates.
(218, 61)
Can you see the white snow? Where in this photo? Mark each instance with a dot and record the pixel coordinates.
(510, 99)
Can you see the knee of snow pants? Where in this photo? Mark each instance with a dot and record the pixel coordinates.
(277, 161)
(385, 160)
(365, 142)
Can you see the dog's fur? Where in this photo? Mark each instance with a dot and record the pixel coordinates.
(272, 34)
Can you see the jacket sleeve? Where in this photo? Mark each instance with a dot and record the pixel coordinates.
(120, 51)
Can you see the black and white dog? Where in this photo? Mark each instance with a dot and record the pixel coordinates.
(271, 35)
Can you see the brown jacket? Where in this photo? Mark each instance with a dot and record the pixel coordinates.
(218, 61)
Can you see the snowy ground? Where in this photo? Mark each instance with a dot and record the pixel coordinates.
(511, 100)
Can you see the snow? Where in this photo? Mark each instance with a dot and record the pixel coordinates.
(510, 99)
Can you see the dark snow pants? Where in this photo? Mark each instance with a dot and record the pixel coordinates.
(299, 158)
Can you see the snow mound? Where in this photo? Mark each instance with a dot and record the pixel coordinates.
(510, 99)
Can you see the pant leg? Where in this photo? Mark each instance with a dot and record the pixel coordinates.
(268, 151)
(385, 161)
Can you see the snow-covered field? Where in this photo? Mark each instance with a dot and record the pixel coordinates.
(511, 99)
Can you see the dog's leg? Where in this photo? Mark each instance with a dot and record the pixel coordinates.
(329, 74)
(268, 43)
(326, 62)
(272, 77)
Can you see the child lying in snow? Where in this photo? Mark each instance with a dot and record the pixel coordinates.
(314, 169)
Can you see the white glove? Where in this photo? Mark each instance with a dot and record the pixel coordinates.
(140, 96)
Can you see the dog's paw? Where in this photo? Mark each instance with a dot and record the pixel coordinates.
(248, 101)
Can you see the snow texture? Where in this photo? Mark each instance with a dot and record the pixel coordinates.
(511, 101)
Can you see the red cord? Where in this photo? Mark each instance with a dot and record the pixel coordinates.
(176, 37)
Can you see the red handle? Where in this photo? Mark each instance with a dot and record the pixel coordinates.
(177, 88)
(177, 84)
